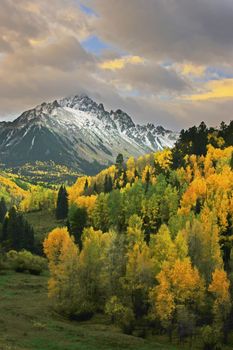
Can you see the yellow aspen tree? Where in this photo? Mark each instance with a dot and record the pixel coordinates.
(87, 202)
(220, 289)
(150, 213)
(162, 248)
(62, 254)
(181, 245)
(203, 242)
(139, 268)
(131, 167)
(91, 269)
(134, 230)
(163, 158)
(179, 284)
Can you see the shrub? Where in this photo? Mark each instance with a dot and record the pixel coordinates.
(114, 309)
(127, 321)
(25, 261)
(121, 315)
(3, 263)
(210, 338)
(84, 312)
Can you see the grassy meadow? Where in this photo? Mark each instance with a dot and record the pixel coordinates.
(28, 322)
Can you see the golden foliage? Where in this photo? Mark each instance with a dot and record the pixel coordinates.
(179, 284)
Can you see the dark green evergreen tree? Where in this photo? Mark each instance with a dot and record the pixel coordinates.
(77, 220)
(119, 160)
(147, 179)
(14, 230)
(4, 229)
(124, 178)
(28, 237)
(62, 204)
(86, 186)
(107, 184)
(136, 174)
(17, 233)
(231, 161)
(95, 188)
(119, 164)
(3, 210)
(110, 184)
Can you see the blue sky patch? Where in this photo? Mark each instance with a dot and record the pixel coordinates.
(87, 10)
(214, 73)
(94, 45)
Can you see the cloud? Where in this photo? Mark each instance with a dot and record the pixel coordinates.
(190, 69)
(120, 63)
(65, 54)
(147, 78)
(169, 62)
(40, 52)
(214, 89)
(182, 30)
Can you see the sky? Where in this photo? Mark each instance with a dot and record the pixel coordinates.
(169, 62)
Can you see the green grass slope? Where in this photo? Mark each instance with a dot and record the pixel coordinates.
(27, 322)
(43, 222)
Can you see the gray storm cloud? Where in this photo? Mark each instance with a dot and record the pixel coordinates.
(42, 57)
(199, 31)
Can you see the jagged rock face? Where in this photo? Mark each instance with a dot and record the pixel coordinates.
(79, 133)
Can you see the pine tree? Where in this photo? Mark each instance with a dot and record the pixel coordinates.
(4, 229)
(28, 237)
(119, 164)
(62, 204)
(95, 188)
(77, 221)
(107, 184)
(17, 233)
(3, 210)
(147, 180)
(86, 186)
(124, 178)
(110, 184)
(136, 174)
(119, 160)
(14, 230)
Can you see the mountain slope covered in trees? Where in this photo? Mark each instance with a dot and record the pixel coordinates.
(152, 243)
(146, 243)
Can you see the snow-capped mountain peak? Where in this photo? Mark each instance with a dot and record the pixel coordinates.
(78, 132)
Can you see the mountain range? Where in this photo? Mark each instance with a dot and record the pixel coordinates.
(79, 133)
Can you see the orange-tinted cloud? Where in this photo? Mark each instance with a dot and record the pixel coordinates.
(120, 63)
(214, 89)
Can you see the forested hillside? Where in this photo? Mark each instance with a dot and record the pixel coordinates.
(146, 243)
(151, 242)
(11, 188)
